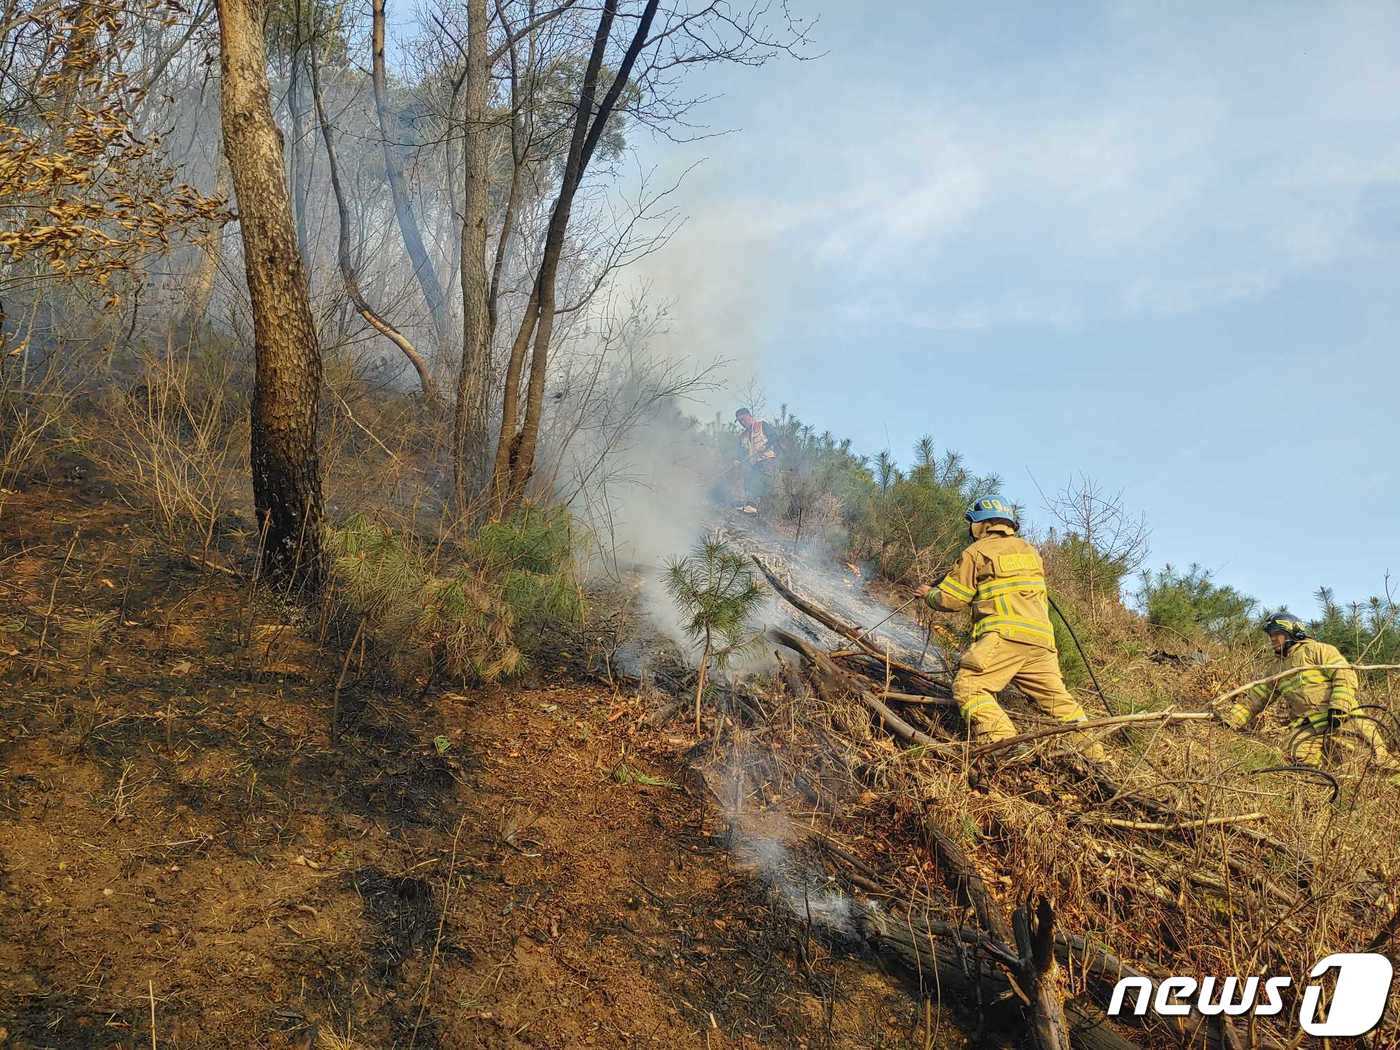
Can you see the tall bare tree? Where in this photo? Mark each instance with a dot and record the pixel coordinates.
(286, 390)
(423, 268)
(674, 38)
(345, 257)
(473, 378)
(1105, 541)
(519, 436)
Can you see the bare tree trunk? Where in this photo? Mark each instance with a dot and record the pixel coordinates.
(423, 268)
(519, 151)
(510, 400)
(297, 168)
(493, 297)
(700, 681)
(286, 467)
(347, 265)
(513, 470)
(473, 380)
(202, 283)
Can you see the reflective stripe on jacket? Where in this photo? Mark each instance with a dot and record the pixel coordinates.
(1002, 578)
(1313, 687)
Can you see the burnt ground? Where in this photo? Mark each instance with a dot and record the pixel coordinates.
(180, 839)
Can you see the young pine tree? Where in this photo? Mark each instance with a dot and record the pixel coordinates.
(717, 595)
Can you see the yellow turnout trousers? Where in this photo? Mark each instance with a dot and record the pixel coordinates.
(1347, 734)
(990, 665)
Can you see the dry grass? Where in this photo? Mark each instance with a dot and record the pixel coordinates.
(1271, 896)
(33, 414)
(174, 443)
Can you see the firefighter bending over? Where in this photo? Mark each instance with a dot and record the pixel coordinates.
(758, 449)
(1319, 698)
(1002, 578)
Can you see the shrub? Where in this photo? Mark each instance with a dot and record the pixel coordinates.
(1071, 663)
(32, 423)
(531, 555)
(478, 618)
(1193, 605)
(1359, 628)
(175, 441)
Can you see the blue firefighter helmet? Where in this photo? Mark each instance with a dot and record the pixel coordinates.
(992, 510)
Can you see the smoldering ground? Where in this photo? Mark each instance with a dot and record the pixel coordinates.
(759, 837)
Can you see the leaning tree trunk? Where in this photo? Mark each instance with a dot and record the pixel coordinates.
(344, 256)
(286, 388)
(423, 268)
(515, 454)
(473, 380)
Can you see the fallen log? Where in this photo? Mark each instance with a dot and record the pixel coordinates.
(1180, 825)
(976, 962)
(791, 678)
(842, 628)
(1294, 671)
(1040, 977)
(873, 667)
(1089, 1027)
(831, 681)
(1072, 951)
(964, 880)
(1087, 772)
(667, 711)
(919, 699)
(951, 961)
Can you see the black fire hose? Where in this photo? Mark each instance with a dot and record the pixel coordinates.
(1082, 655)
(1308, 771)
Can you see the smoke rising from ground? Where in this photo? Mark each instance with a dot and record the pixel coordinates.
(757, 841)
(670, 485)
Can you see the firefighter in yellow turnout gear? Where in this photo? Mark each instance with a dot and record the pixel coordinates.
(1002, 578)
(1319, 698)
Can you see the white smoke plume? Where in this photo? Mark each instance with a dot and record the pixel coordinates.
(758, 841)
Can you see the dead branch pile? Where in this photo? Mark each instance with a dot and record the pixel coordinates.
(1026, 877)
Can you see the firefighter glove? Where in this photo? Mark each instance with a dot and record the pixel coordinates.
(1237, 717)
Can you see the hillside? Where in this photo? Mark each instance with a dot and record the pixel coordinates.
(180, 840)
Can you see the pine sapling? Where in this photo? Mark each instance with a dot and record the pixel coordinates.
(717, 595)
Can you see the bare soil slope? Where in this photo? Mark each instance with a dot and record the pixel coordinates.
(186, 860)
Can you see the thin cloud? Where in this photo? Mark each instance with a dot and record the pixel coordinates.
(1171, 164)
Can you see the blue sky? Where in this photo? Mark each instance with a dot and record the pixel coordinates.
(1156, 244)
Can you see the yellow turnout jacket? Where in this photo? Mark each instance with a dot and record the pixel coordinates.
(1324, 680)
(1002, 578)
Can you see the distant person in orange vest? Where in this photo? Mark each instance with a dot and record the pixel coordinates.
(758, 462)
(1002, 578)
